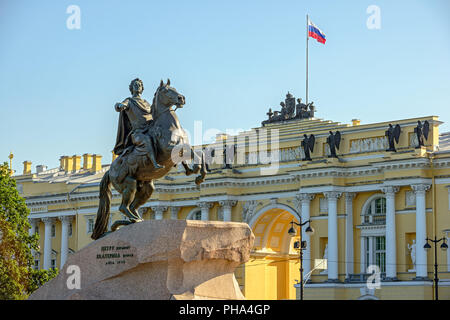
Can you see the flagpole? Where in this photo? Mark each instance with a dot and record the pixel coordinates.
(307, 20)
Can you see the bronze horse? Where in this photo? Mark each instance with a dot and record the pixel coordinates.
(132, 173)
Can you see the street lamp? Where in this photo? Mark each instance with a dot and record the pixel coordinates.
(301, 245)
(427, 247)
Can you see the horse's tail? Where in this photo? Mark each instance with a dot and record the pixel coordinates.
(101, 223)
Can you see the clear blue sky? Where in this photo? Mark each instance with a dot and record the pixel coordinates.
(231, 59)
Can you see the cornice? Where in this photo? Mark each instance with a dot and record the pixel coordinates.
(291, 177)
(372, 169)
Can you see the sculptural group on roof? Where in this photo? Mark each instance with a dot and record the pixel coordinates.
(291, 110)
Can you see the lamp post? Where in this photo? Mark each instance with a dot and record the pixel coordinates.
(301, 245)
(427, 247)
(11, 156)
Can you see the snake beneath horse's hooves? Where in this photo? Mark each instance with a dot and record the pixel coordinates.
(119, 223)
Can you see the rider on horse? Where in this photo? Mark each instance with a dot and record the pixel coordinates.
(135, 115)
(144, 129)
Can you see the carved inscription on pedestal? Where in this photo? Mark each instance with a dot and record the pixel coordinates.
(115, 254)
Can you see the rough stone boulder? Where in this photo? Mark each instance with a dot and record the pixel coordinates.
(156, 259)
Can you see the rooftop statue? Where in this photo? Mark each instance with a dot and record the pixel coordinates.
(291, 110)
(334, 140)
(393, 134)
(308, 146)
(228, 155)
(422, 131)
(150, 141)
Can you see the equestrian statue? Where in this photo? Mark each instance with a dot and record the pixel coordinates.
(150, 142)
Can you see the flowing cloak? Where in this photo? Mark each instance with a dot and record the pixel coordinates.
(139, 108)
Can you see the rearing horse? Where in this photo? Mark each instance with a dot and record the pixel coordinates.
(132, 173)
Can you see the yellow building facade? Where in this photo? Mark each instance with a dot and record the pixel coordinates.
(371, 210)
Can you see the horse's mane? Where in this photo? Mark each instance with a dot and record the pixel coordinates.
(155, 112)
(153, 106)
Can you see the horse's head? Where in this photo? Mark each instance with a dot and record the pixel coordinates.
(167, 96)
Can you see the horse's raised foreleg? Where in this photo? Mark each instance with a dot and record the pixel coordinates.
(142, 195)
(128, 196)
(196, 160)
(187, 169)
(200, 165)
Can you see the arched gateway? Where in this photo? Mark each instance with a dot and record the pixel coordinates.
(274, 265)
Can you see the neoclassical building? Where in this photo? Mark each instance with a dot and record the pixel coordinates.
(370, 209)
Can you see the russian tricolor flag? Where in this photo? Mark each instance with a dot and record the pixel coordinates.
(315, 32)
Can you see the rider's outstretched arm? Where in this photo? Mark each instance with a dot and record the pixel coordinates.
(121, 106)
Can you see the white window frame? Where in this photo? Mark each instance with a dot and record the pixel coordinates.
(323, 205)
(89, 217)
(37, 263)
(370, 252)
(381, 252)
(53, 230)
(195, 213)
(70, 231)
(369, 210)
(90, 225)
(412, 197)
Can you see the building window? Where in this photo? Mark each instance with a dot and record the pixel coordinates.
(90, 225)
(70, 229)
(323, 205)
(376, 212)
(375, 252)
(53, 232)
(36, 229)
(410, 199)
(380, 253)
(197, 215)
(36, 264)
(367, 253)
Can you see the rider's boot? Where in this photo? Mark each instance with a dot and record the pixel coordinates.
(151, 152)
(151, 155)
(155, 164)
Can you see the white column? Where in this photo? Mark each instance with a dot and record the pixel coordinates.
(391, 238)
(349, 269)
(363, 255)
(174, 212)
(33, 223)
(333, 266)
(32, 231)
(447, 234)
(159, 210)
(421, 230)
(305, 201)
(47, 243)
(448, 189)
(65, 221)
(205, 206)
(371, 250)
(227, 205)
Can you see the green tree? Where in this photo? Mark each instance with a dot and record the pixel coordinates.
(17, 277)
